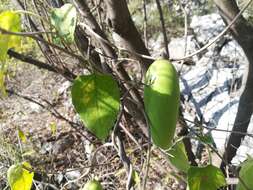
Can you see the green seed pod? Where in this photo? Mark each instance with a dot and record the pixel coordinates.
(161, 101)
(92, 185)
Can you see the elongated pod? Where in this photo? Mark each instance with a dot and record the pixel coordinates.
(161, 100)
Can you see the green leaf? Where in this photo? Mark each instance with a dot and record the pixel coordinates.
(19, 178)
(205, 178)
(64, 21)
(53, 128)
(10, 21)
(96, 99)
(2, 86)
(246, 174)
(136, 177)
(178, 157)
(22, 136)
(207, 139)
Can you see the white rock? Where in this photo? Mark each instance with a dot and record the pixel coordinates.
(59, 178)
(64, 87)
(34, 108)
(177, 47)
(46, 147)
(207, 26)
(74, 174)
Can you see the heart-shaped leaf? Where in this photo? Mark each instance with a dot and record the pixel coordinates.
(246, 174)
(9, 20)
(20, 178)
(96, 99)
(205, 178)
(64, 21)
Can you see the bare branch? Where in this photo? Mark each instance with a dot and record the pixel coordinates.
(163, 27)
(66, 73)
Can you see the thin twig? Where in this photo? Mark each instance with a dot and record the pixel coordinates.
(130, 136)
(185, 34)
(119, 146)
(163, 27)
(28, 59)
(222, 130)
(148, 153)
(145, 22)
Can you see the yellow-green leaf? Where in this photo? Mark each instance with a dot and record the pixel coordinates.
(20, 178)
(53, 128)
(136, 178)
(2, 86)
(22, 136)
(9, 20)
(205, 178)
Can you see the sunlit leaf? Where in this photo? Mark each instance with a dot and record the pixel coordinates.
(20, 178)
(178, 157)
(53, 128)
(96, 99)
(2, 85)
(64, 21)
(205, 178)
(136, 178)
(22, 136)
(246, 174)
(9, 20)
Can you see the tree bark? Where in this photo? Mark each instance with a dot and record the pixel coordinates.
(242, 32)
(120, 20)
